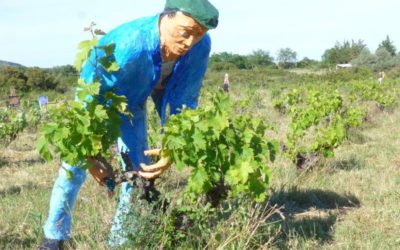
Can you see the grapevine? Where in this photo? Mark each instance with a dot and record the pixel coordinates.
(12, 122)
(228, 154)
(322, 117)
(85, 129)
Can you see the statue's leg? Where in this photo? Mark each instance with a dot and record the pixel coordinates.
(63, 196)
(124, 222)
(133, 140)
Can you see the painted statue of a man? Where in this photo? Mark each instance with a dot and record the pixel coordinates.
(163, 56)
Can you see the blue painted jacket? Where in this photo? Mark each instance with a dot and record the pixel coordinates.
(137, 52)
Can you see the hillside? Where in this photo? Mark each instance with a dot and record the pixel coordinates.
(5, 63)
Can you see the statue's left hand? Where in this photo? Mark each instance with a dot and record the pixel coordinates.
(155, 170)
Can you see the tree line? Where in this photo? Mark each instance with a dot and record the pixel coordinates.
(61, 78)
(354, 52)
(24, 79)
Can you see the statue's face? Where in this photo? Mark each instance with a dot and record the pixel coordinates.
(178, 34)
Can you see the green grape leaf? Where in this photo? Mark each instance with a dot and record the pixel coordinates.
(44, 149)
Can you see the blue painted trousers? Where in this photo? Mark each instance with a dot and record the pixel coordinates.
(63, 197)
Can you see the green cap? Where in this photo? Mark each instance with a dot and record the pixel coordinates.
(201, 10)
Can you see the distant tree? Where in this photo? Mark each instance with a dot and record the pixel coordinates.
(240, 61)
(17, 84)
(381, 60)
(225, 58)
(34, 78)
(286, 58)
(39, 79)
(388, 45)
(343, 52)
(384, 59)
(260, 58)
(365, 59)
(64, 76)
(13, 76)
(307, 63)
(396, 60)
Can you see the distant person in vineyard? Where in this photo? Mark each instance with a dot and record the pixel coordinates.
(225, 86)
(164, 56)
(381, 77)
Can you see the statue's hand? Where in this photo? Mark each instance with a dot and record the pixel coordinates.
(154, 170)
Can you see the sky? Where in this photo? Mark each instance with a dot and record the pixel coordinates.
(45, 33)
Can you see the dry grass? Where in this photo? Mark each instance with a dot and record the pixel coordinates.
(368, 172)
